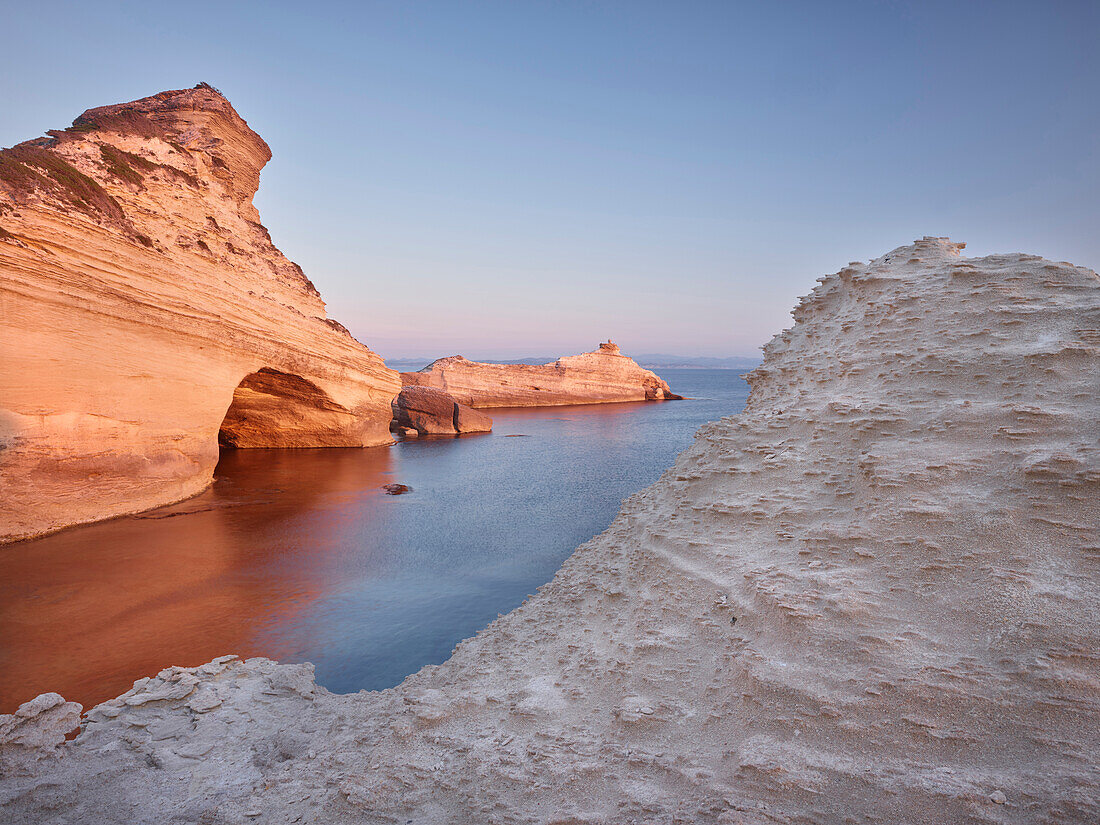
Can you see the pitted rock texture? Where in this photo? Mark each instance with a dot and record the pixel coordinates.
(138, 290)
(602, 376)
(871, 597)
(35, 731)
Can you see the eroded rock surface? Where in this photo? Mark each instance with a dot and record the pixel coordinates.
(602, 376)
(140, 296)
(35, 731)
(870, 597)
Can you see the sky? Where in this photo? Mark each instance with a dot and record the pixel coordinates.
(529, 178)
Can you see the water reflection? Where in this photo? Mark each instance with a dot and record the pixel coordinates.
(86, 611)
(299, 555)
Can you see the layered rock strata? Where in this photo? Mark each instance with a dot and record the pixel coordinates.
(141, 298)
(870, 597)
(602, 376)
(433, 412)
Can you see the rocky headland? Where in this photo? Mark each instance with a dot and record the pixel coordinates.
(602, 376)
(870, 597)
(147, 315)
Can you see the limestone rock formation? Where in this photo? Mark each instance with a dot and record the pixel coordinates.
(140, 298)
(602, 376)
(35, 731)
(433, 412)
(870, 597)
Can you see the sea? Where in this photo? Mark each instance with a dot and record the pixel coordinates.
(302, 555)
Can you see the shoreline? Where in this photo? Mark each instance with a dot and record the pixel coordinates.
(806, 615)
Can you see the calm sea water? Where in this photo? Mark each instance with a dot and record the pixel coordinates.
(298, 555)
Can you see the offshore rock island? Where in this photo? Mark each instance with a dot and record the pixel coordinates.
(870, 597)
(143, 299)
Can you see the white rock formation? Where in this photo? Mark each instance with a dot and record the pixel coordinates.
(871, 597)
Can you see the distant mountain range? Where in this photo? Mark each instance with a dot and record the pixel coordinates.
(654, 361)
(651, 361)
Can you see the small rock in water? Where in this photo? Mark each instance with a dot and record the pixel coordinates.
(998, 797)
(396, 489)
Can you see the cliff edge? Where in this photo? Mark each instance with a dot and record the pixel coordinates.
(602, 376)
(146, 314)
(870, 597)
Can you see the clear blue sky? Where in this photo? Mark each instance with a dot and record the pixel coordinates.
(520, 178)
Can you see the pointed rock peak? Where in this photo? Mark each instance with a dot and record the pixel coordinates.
(199, 120)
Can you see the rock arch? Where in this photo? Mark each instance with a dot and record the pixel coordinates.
(114, 385)
(271, 408)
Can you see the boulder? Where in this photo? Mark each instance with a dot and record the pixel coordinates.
(428, 411)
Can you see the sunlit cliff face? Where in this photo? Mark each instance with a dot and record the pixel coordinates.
(139, 291)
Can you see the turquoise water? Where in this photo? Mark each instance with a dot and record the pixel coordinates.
(299, 555)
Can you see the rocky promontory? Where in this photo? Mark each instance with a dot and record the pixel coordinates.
(870, 597)
(147, 315)
(602, 376)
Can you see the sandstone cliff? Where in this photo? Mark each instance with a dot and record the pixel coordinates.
(598, 377)
(140, 297)
(870, 597)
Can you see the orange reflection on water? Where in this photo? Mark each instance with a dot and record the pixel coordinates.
(298, 555)
(84, 610)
